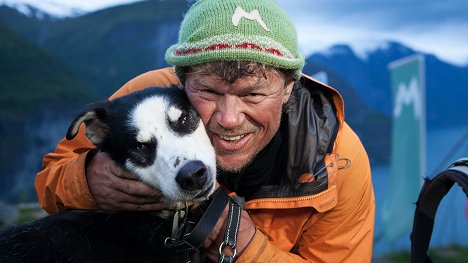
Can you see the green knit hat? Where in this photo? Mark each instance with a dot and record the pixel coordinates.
(237, 30)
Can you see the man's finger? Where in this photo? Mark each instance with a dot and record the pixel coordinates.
(142, 200)
(127, 175)
(121, 173)
(122, 206)
(136, 188)
(145, 207)
(121, 201)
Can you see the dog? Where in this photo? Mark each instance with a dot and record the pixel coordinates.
(154, 133)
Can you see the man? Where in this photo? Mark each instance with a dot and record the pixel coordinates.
(280, 140)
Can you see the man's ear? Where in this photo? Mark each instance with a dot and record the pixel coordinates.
(287, 92)
(94, 120)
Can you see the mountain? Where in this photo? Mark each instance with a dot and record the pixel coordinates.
(43, 9)
(33, 28)
(52, 66)
(129, 40)
(110, 46)
(365, 121)
(33, 79)
(37, 89)
(446, 90)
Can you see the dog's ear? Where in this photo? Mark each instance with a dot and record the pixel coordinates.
(95, 122)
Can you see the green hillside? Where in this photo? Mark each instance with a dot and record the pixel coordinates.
(29, 27)
(33, 79)
(111, 46)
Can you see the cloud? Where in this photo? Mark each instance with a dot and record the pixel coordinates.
(383, 14)
(432, 26)
(91, 5)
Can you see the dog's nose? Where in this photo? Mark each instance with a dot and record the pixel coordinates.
(192, 175)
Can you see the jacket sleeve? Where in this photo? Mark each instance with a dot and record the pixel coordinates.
(61, 183)
(342, 234)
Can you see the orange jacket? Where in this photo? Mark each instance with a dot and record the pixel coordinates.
(334, 225)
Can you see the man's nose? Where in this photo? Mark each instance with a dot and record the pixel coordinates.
(229, 111)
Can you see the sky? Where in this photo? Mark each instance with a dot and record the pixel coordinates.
(438, 27)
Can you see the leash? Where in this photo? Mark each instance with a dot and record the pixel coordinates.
(188, 238)
(232, 230)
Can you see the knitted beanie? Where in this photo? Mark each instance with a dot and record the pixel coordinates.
(237, 30)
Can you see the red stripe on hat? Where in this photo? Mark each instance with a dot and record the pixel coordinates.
(218, 46)
(245, 45)
(274, 51)
(187, 51)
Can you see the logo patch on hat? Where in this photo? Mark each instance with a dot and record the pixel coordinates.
(240, 13)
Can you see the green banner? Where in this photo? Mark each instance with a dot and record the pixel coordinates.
(408, 146)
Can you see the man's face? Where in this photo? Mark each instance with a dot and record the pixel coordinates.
(240, 117)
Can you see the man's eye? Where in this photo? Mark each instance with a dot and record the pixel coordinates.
(254, 97)
(210, 91)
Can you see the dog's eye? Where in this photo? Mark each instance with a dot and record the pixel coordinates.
(143, 146)
(183, 119)
(143, 153)
(186, 122)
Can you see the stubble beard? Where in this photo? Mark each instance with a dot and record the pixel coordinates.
(234, 168)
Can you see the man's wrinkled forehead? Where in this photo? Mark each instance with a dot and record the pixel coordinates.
(211, 80)
(232, 70)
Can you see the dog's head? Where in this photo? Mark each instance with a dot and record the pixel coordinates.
(156, 134)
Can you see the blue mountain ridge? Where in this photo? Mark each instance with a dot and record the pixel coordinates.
(446, 84)
(106, 48)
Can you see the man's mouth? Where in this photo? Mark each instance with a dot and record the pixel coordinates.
(230, 143)
(231, 138)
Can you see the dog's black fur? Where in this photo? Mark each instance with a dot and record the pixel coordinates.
(84, 236)
(100, 236)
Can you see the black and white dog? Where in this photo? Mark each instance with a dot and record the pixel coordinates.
(153, 133)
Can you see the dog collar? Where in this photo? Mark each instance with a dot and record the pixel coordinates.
(190, 235)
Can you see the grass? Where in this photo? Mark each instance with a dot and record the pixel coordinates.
(26, 213)
(450, 254)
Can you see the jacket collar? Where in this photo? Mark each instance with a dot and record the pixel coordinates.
(314, 121)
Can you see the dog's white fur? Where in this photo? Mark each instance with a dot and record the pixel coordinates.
(127, 128)
(174, 150)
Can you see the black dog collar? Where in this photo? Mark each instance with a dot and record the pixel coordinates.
(189, 236)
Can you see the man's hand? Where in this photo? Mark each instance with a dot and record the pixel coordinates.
(115, 189)
(245, 234)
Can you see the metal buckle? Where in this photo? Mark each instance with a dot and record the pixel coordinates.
(225, 244)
